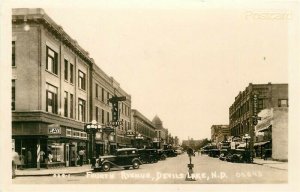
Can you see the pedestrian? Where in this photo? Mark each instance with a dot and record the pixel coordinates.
(21, 161)
(15, 162)
(50, 157)
(42, 155)
(29, 158)
(81, 153)
(73, 159)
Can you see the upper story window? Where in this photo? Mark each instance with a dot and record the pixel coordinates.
(102, 95)
(66, 71)
(52, 61)
(71, 73)
(66, 104)
(13, 95)
(71, 105)
(107, 98)
(13, 61)
(81, 110)
(97, 95)
(81, 80)
(51, 99)
(283, 103)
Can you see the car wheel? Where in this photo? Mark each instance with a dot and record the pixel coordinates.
(136, 165)
(106, 167)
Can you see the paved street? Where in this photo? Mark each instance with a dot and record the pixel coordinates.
(207, 170)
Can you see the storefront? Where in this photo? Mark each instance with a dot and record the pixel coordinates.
(54, 145)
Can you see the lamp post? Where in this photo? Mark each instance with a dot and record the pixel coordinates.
(92, 128)
(247, 137)
(138, 138)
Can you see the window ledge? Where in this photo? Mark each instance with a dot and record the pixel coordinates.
(52, 73)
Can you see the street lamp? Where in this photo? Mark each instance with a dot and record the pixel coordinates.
(247, 137)
(139, 137)
(92, 128)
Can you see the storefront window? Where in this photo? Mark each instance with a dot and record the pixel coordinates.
(55, 152)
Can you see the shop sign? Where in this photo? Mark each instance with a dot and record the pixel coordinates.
(255, 104)
(54, 130)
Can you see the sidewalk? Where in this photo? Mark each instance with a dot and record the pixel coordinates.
(271, 163)
(52, 171)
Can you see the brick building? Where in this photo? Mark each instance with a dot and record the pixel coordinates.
(161, 138)
(56, 89)
(143, 130)
(250, 102)
(219, 133)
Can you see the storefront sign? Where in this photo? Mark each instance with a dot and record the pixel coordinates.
(54, 130)
(255, 104)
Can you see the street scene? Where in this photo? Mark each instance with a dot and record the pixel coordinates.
(139, 94)
(207, 170)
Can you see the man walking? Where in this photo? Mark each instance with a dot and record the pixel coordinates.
(81, 153)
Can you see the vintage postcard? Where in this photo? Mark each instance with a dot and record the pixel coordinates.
(113, 95)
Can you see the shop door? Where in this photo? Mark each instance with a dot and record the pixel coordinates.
(67, 155)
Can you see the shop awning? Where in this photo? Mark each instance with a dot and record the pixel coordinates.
(265, 128)
(261, 143)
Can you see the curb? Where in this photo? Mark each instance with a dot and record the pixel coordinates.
(51, 174)
(270, 166)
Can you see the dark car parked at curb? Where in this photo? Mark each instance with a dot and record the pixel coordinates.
(149, 155)
(170, 152)
(161, 154)
(123, 158)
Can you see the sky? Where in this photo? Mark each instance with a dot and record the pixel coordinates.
(184, 61)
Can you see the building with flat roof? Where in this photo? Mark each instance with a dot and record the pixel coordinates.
(248, 103)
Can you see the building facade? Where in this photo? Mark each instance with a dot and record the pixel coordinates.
(271, 134)
(161, 138)
(103, 88)
(56, 90)
(247, 105)
(143, 130)
(219, 133)
(50, 90)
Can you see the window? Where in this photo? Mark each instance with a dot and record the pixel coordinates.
(283, 103)
(13, 95)
(51, 100)
(260, 104)
(71, 73)
(102, 95)
(107, 98)
(102, 116)
(52, 62)
(97, 114)
(107, 116)
(71, 106)
(81, 110)
(66, 69)
(66, 104)
(81, 80)
(97, 95)
(13, 61)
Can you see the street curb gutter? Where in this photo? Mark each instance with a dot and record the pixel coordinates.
(270, 166)
(51, 174)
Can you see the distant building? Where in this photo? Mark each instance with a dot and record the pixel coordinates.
(161, 132)
(194, 144)
(219, 133)
(271, 133)
(143, 130)
(250, 102)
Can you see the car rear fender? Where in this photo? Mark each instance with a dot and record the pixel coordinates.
(137, 159)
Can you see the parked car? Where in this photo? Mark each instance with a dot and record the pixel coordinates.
(122, 158)
(170, 152)
(214, 153)
(223, 154)
(148, 155)
(161, 154)
(179, 151)
(239, 156)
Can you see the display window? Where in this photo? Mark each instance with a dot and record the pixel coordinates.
(56, 151)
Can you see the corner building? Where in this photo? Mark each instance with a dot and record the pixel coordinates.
(250, 102)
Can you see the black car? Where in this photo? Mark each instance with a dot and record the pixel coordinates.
(170, 152)
(123, 158)
(148, 155)
(161, 154)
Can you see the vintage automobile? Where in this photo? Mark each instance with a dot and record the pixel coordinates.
(239, 156)
(170, 152)
(161, 154)
(148, 155)
(223, 154)
(122, 158)
(214, 153)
